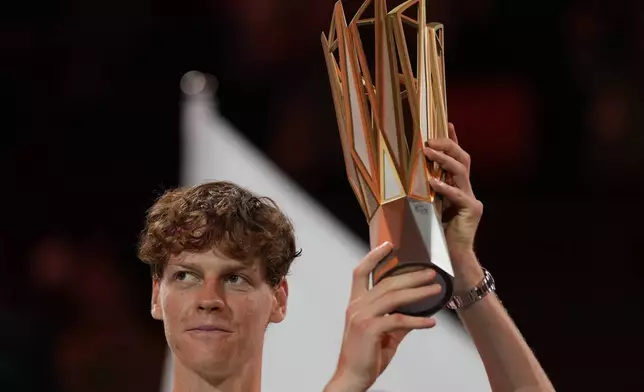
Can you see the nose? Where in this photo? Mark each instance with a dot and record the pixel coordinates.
(209, 300)
(210, 305)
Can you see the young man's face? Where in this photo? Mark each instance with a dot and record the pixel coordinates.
(215, 311)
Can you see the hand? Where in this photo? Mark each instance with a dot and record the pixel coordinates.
(372, 334)
(463, 213)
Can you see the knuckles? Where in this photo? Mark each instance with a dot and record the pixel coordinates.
(364, 268)
(467, 159)
(352, 314)
(477, 208)
(387, 284)
(398, 319)
(359, 271)
(356, 321)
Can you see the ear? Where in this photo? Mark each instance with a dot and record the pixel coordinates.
(280, 299)
(155, 309)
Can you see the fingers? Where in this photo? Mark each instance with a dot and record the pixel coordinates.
(403, 281)
(450, 147)
(459, 173)
(457, 197)
(395, 299)
(399, 334)
(452, 158)
(396, 322)
(376, 325)
(452, 133)
(362, 272)
(392, 293)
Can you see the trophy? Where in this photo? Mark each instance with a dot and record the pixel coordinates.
(386, 113)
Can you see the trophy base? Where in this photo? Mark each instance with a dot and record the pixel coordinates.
(415, 230)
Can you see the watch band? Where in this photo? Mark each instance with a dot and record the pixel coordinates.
(477, 293)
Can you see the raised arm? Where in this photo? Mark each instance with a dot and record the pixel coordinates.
(372, 334)
(509, 362)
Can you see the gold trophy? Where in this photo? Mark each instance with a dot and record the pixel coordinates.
(380, 105)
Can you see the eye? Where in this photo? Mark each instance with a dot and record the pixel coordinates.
(235, 279)
(184, 276)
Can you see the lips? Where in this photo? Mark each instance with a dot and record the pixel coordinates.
(209, 328)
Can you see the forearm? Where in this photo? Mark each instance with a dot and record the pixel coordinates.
(339, 387)
(509, 362)
(341, 383)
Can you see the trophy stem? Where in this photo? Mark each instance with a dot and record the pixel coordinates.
(414, 230)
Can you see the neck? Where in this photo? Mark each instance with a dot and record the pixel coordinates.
(246, 379)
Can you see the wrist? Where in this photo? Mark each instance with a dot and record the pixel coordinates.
(343, 384)
(467, 271)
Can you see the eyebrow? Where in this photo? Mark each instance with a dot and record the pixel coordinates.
(238, 267)
(228, 266)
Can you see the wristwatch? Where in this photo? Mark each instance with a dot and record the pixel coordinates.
(477, 293)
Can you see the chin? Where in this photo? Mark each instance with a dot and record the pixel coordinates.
(211, 358)
(212, 367)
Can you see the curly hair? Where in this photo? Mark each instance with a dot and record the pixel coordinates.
(223, 216)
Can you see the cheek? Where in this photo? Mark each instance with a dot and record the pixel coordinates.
(174, 305)
(255, 310)
(253, 314)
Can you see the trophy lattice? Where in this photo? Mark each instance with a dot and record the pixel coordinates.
(389, 175)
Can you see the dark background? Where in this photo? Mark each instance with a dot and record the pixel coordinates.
(546, 96)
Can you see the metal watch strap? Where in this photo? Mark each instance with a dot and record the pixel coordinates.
(477, 293)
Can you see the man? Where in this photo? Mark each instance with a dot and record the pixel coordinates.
(371, 337)
(220, 255)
